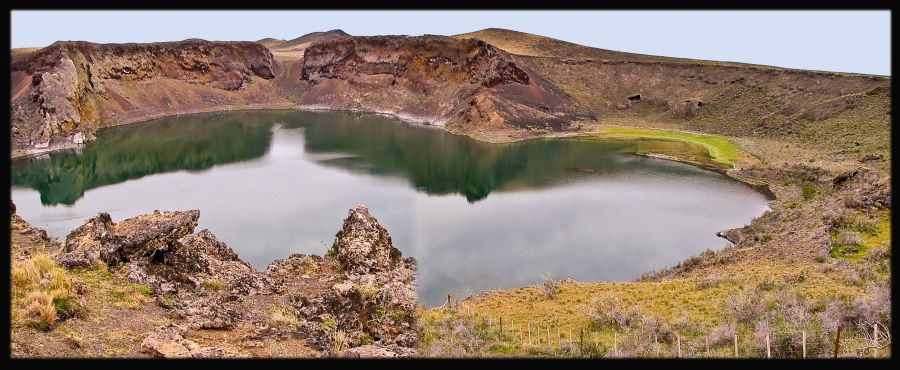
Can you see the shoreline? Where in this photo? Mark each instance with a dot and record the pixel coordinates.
(731, 172)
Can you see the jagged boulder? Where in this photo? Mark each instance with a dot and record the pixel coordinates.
(159, 250)
(362, 245)
(370, 298)
(90, 244)
(159, 232)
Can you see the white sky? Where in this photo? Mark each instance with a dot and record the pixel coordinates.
(845, 41)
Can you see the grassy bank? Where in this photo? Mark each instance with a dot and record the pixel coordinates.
(720, 149)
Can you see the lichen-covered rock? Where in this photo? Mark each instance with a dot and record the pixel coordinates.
(371, 298)
(90, 244)
(147, 235)
(367, 298)
(362, 245)
(222, 265)
(169, 342)
(216, 312)
(373, 351)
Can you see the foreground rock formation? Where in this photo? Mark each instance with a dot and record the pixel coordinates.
(357, 302)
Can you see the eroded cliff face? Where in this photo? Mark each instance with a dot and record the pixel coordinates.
(462, 85)
(63, 93)
(493, 85)
(711, 96)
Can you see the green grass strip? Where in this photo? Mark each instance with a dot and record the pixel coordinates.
(720, 149)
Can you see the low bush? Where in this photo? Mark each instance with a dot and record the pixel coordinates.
(607, 312)
(548, 287)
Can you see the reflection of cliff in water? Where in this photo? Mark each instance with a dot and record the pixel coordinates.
(440, 163)
(131, 152)
(434, 162)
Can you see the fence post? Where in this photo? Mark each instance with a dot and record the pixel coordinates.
(804, 344)
(501, 325)
(656, 344)
(678, 338)
(529, 333)
(581, 341)
(875, 338)
(768, 348)
(837, 342)
(549, 340)
(616, 343)
(735, 345)
(706, 340)
(448, 300)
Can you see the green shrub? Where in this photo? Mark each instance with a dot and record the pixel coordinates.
(809, 191)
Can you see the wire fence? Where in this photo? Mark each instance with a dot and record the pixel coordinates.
(549, 338)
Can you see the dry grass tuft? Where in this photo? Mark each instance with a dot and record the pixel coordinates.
(43, 292)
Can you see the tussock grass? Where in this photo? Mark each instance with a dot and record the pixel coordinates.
(42, 292)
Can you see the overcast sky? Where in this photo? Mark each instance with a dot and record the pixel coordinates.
(845, 41)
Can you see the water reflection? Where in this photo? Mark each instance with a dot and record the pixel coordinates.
(434, 162)
(476, 216)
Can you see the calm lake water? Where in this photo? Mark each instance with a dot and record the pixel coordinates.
(476, 216)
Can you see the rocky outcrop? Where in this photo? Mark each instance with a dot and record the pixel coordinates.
(159, 250)
(64, 92)
(367, 296)
(89, 244)
(361, 294)
(460, 84)
(363, 246)
(495, 85)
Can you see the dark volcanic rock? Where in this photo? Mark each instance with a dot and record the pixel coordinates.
(369, 297)
(154, 234)
(362, 294)
(362, 245)
(159, 250)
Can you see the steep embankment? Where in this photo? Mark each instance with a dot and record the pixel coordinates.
(467, 86)
(62, 93)
(726, 98)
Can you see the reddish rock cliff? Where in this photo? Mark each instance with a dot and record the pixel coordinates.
(67, 90)
(460, 84)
